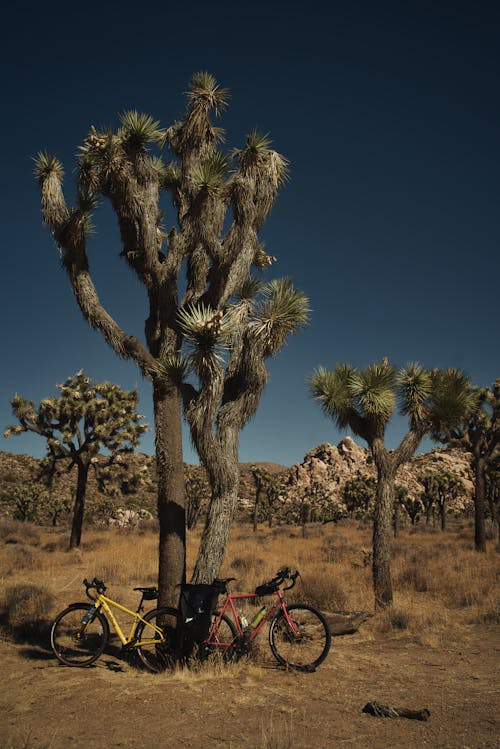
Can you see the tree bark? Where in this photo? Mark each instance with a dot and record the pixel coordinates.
(79, 506)
(223, 473)
(171, 494)
(381, 567)
(215, 536)
(479, 500)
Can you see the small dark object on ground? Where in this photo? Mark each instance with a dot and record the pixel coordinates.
(387, 711)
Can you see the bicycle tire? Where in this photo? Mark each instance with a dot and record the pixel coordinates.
(306, 650)
(160, 655)
(75, 643)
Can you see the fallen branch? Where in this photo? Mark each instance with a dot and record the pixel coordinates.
(380, 710)
(345, 622)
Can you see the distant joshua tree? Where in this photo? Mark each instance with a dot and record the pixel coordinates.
(440, 487)
(479, 433)
(77, 424)
(358, 495)
(493, 489)
(365, 401)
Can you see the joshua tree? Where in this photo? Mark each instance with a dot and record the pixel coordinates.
(262, 480)
(401, 494)
(26, 502)
(215, 308)
(479, 433)
(198, 493)
(365, 401)
(493, 489)
(84, 418)
(413, 506)
(439, 488)
(358, 495)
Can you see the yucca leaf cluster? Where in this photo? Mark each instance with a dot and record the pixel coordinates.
(366, 399)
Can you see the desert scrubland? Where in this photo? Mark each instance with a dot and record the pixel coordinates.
(436, 648)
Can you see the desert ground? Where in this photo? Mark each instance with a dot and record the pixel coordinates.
(438, 648)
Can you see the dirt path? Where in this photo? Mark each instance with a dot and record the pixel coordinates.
(115, 704)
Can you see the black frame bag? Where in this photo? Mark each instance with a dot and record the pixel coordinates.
(197, 604)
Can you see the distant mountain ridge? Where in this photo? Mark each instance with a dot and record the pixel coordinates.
(328, 464)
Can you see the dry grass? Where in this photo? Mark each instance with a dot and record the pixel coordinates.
(440, 582)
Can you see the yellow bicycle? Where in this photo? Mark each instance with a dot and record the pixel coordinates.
(81, 632)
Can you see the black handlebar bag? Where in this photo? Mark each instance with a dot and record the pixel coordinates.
(197, 604)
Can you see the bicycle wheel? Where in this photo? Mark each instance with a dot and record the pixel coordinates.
(75, 643)
(309, 646)
(157, 652)
(221, 639)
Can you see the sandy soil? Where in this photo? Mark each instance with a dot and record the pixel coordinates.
(116, 704)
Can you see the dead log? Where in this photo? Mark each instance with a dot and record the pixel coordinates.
(379, 710)
(345, 622)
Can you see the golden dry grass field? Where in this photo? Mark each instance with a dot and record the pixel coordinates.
(437, 648)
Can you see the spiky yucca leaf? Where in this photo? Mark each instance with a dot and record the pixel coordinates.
(174, 368)
(87, 201)
(46, 164)
(210, 174)
(159, 166)
(100, 155)
(453, 398)
(171, 175)
(414, 384)
(257, 153)
(205, 326)
(373, 390)
(208, 334)
(257, 141)
(250, 288)
(332, 389)
(139, 129)
(203, 87)
(283, 311)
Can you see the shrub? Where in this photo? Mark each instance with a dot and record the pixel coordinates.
(323, 592)
(18, 532)
(414, 577)
(394, 618)
(25, 610)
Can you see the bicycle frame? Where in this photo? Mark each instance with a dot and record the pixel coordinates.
(105, 603)
(229, 603)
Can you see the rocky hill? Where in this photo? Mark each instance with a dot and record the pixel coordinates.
(326, 464)
(332, 466)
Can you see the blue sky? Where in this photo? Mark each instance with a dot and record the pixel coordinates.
(388, 113)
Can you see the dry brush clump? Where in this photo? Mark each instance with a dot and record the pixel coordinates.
(25, 610)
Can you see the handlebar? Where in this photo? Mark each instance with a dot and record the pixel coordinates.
(97, 584)
(293, 577)
(283, 574)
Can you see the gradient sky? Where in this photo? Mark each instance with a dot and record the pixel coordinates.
(389, 115)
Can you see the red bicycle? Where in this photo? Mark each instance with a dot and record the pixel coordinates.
(299, 635)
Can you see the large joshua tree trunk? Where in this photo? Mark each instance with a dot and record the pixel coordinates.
(223, 471)
(171, 495)
(387, 467)
(384, 504)
(79, 506)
